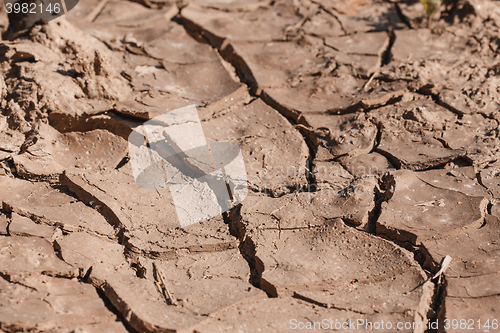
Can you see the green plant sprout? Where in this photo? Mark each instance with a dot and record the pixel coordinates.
(430, 6)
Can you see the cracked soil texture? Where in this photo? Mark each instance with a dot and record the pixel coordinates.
(371, 145)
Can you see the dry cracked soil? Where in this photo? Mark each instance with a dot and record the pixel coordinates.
(371, 145)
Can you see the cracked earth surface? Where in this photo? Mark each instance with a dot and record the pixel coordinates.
(371, 145)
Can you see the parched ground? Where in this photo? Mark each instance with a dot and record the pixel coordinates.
(371, 145)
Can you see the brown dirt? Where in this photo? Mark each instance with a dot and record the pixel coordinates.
(371, 145)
